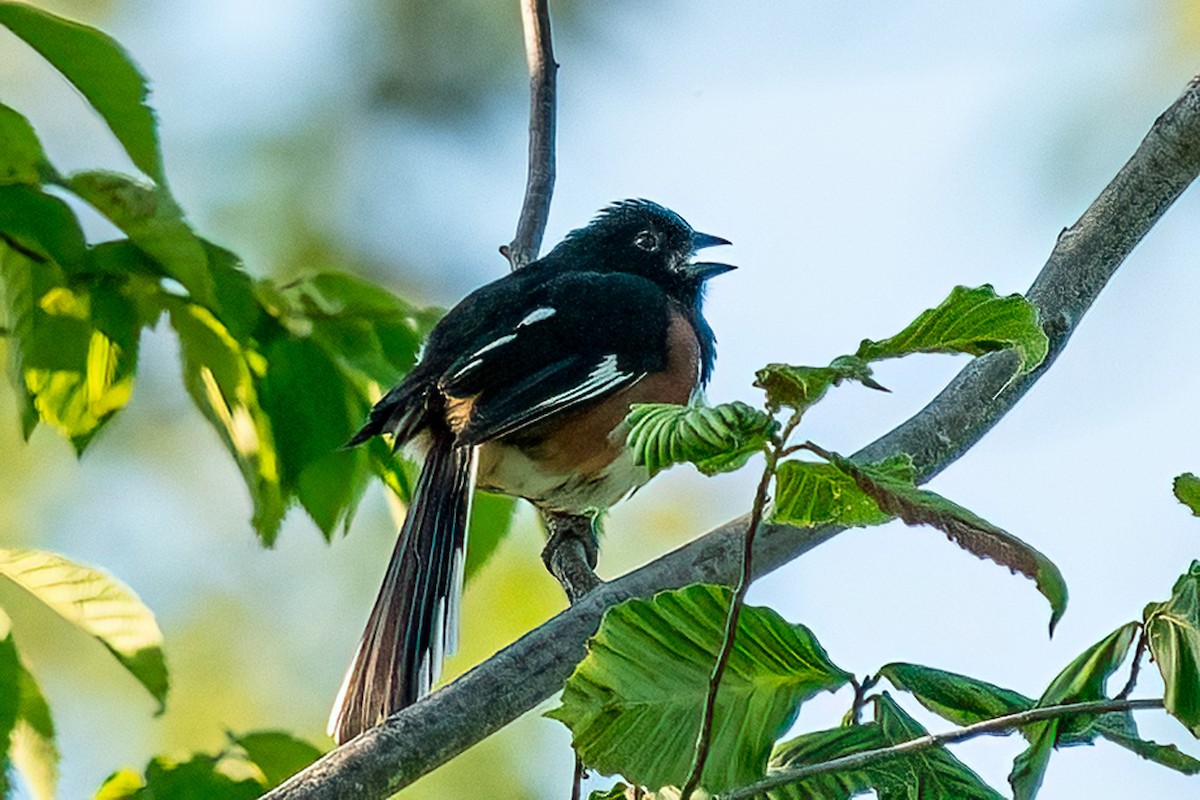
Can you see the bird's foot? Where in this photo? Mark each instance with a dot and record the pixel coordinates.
(571, 552)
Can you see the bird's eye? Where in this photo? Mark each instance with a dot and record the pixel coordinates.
(648, 241)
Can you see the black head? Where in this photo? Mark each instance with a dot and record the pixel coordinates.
(643, 238)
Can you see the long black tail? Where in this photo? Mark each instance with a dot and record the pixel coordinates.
(415, 617)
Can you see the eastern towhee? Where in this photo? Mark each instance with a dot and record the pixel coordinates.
(523, 389)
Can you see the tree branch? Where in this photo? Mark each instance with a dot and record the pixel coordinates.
(431, 732)
(1003, 725)
(539, 181)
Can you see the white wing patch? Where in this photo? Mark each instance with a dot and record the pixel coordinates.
(537, 315)
(605, 375)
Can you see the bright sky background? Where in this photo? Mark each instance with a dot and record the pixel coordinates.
(863, 158)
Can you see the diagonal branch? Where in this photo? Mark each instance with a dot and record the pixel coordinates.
(539, 182)
(988, 727)
(425, 735)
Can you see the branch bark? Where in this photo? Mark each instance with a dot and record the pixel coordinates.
(539, 182)
(998, 725)
(423, 736)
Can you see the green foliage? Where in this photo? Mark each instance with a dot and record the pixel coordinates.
(102, 72)
(98, 605)
(809, 493)
(713, 438)
(1082, 680)
(256, 763)
(1187, 491)
(1173, 633)
(969, 531)
(974, 321)
(21, 156)
(10, 670)
(800, 387)
(933, 773)
(646, 676)
(34, 752)
(961, 699)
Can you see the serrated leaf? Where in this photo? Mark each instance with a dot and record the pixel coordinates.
(714, 438)
(1173, 633)
(41, 224)
(277, 753)
(34, 752)
(102, 72)
(958, 698)
(935, 773)
(974, 321)
(966, 529)
(809, 493)
(21, 157)
(634, 703)
(219, 374)
(1187, 491)
(154, 222)
(98, 605)
(800, 387)
(1082, 680)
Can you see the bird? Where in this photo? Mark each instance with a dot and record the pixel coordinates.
(523, 389)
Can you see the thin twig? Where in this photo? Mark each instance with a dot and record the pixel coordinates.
(1136, 667)
(577, 779)
(539, 182)
(704, 737)
(429, 733)
(997, 725)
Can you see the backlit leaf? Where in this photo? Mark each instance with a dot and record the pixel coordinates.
(34, 752)
(97, 604)
(714, 438)
(958, 698)
(974, 321)
(966, 529)
(801, 387)
(810, 493)
(634, 703)
(278, 754)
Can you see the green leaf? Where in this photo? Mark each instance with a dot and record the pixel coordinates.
(97, 604)
(634, 703)
(615, 792)
(1187, 491)
(1082, 680)
(966, 529)
(491, 519)
(801, 387)
(974, 321)
(935, 774)
(21, 156)
(821, 746)
(202, 777)
(153, 222)
(42, 225)
(220, 374)
(715, 438)
(1173, 633)
(809, 493)
(102, 72)
(34, 752)
(958, 698)
(77, 345)
(278, 754)
(1121, 730)
(10, 694)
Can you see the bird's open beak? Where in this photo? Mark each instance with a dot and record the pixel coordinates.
(703, 270)
(703, 240)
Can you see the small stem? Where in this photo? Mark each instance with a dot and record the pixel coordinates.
(539, 181)
(1005, 724)
(704, 738)
(577, 781)
(860, 695)
(1138, 652)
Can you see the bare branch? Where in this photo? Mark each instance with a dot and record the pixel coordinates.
(423, 736)
(539, 182)
(997, 725)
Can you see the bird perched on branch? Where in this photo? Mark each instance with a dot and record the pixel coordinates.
(523, 389)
